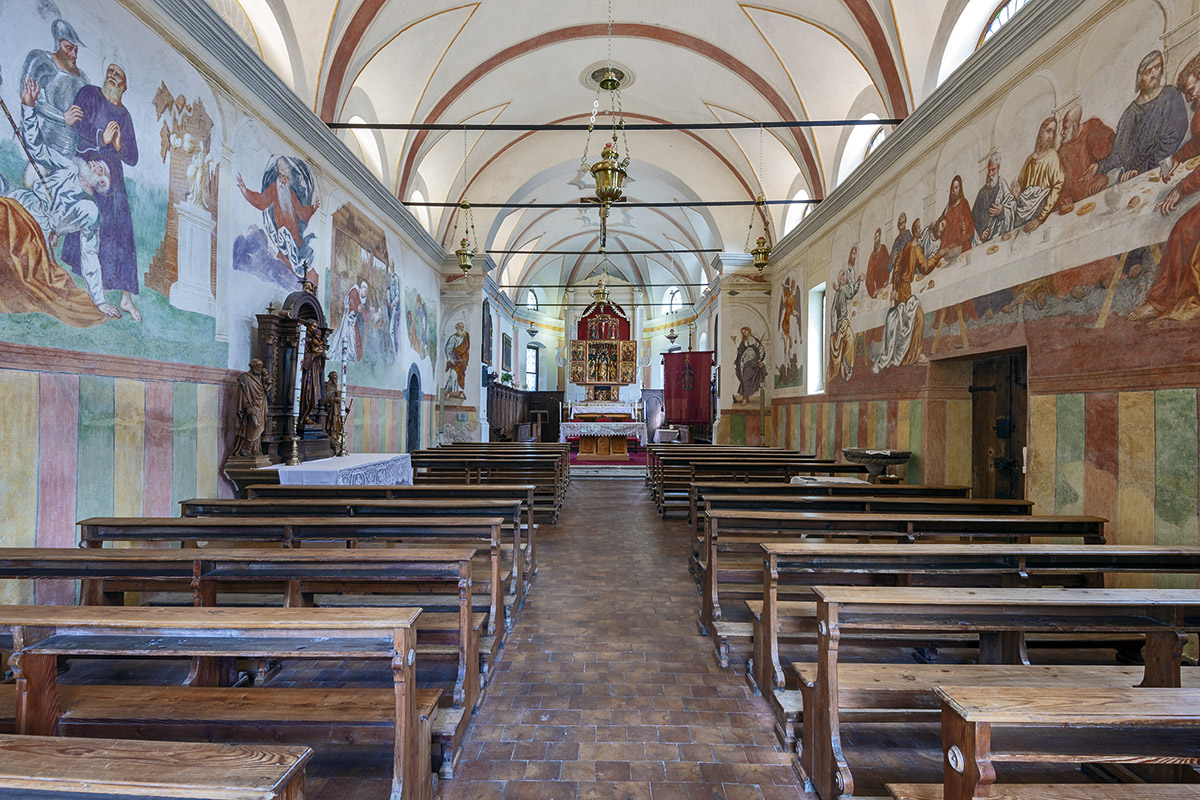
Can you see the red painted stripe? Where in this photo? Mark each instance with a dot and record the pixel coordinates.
(58, 454)
(754, 429)
(869, 23)
(349, 42)
(594, 31)
(158, 464)
(1100, 458)
(863, 441)
(933, 465)
(893, 421)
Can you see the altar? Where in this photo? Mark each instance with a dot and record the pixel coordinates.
(358, 469)
(599, 441)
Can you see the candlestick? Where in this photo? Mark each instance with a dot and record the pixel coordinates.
(344, 387)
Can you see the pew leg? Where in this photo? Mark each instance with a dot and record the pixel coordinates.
(1163, 656)
(966, 748)
(1003, 647)
(38, 710)
(212, 672)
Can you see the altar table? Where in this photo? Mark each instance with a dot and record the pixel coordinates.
(358, 469)
(573, 430)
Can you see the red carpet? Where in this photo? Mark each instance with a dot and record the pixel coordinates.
(634, 458)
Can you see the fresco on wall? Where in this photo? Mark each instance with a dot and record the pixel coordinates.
(749, 366)
(421, 322)
(84, 204)
(281, 251)
(788, 373)
(458, 358)
(1117, 186)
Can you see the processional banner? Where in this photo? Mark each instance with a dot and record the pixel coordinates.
(687, 387)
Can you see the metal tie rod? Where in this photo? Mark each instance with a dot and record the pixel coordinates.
(592, 252)
(618, 205)
(629, 126)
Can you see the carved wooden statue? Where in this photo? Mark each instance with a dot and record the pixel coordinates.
(333, 407)
(254, 389)
(311, 371)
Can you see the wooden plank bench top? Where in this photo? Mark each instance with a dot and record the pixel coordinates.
(1054, 724)
(1000, 617)
(1059, 791)
(862, 504)
(38, 765)
(42, 634)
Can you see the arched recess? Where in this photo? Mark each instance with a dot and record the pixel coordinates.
(277, 40)
(412, 404)
(866, 103)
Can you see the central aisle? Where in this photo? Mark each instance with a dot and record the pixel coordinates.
(605, 689)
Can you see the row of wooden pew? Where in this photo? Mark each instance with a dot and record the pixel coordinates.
(546, 465)
(834, 578)
(421, 580)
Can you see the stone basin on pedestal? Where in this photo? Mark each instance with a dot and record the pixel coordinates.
(876, 461)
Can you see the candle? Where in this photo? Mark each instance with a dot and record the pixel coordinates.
(345, 388)
(299, 376)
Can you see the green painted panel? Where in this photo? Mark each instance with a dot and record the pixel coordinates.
(94, 493)
(1176, 476)
(880, 425)
(831, 423)
(737, 428)
(916, 440)
(183, 442)
(1069, 451)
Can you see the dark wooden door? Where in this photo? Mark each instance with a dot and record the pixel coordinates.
(412, 437)
(999, 423)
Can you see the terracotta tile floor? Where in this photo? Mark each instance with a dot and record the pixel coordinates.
(605, 689)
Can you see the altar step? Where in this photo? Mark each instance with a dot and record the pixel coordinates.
(626, 471)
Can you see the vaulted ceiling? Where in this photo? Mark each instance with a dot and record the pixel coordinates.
(528, 62)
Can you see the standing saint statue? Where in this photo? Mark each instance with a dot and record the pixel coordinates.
(311, 370)
(333, 407)
(254, 389)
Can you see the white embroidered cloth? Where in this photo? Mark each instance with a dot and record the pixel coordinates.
(571, 430)
(359, 469)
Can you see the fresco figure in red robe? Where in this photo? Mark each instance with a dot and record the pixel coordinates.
(1083, 146)
(877, 266)
(960, 223)
(1176, 292)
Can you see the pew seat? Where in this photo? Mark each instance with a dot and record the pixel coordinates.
(1059, 791)
(57, 768)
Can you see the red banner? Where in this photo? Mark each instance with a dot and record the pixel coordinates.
(687, 387)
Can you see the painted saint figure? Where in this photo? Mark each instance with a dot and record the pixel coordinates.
(1151, 128)
(904, 324)
(787, 311)
(66, 202)
(288, 201)
(347, 338)
(841, 342)
(254, 390)
(1083, 146)
(458, 355)
(59, 80)
(105, 131)
(959, 222)
(1041, 180)
(995, 207)
(748, 366)
(1176, 292)
(902, 238)
(877, 266)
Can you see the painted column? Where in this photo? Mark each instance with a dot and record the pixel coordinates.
(460, 383)
(745, 337)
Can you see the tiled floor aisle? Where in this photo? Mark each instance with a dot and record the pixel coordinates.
(605, 689)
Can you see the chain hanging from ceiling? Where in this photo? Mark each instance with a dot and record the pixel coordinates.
(761, 252)
(469, 246)
(611, 170)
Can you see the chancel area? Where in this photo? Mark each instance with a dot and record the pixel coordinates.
(600, 401)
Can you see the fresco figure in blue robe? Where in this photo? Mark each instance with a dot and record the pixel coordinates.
(105, 132)
(59, 79)
(1152, 127)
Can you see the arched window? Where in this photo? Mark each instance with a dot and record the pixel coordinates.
(797, 211)
(367, 146)
(672, 300)
(531, 301)
(876, 140)
(1000, 18)
(420, 212)
(858, 146)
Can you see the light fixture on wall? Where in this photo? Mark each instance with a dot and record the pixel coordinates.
(762, 249)
(672, 336)
(611, 170)
(532, 331)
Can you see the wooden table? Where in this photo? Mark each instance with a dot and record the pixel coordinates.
(41, 634)
(47, 767)
(1124, 726)
(1000, 617)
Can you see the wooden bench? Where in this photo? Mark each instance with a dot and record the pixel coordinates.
(742, 532)
(1000, 618)
(45, 767)
(982, 727)
(491, 491)
(290, 532)
(373, 507)
(1059, 791)
(698, 489)
(43, 634)
(678, 474)
(549, 472)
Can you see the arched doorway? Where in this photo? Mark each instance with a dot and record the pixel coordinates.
(412, 437)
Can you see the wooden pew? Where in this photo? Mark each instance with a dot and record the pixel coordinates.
(675, 474)
(1059, 791)
(48, 767)
(1124, 726)
(490, 491)
(43, 634)
(1000, 617)
(744, 530)
(370, 507)
(291, 532)
(549, 472)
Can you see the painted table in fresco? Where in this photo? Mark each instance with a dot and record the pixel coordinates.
(358, 469)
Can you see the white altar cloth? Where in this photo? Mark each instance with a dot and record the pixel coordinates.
(572, 430)
(358, 469)
(602, 407)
